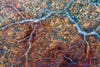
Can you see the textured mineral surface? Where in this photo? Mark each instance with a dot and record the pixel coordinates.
(49, 33)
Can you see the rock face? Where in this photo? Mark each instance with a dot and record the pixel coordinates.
(49, 33)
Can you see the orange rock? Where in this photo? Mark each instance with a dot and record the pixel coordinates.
(18, 5)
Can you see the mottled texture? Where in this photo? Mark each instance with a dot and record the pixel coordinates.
(49, 33)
